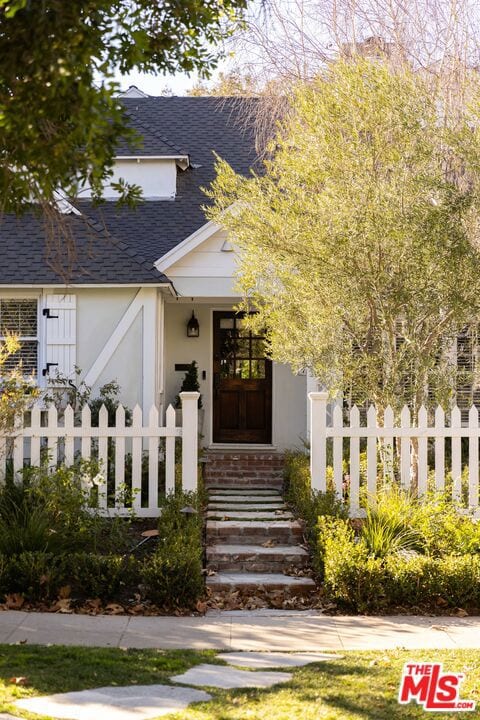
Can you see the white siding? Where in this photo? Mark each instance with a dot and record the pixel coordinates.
(206, 271)
(157, 178)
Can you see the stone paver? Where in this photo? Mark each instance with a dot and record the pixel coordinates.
(262, 660)
(223, 677)
(246, 506)
(115, 703)
(245, 499)
(247, 515)
(269, 580)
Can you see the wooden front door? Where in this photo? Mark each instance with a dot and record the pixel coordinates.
(242, 383)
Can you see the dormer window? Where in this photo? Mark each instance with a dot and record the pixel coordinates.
(156, 175)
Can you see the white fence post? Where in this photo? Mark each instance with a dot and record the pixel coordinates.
(318, 440)
(189, 440)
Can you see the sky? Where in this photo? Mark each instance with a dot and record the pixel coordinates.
(177, 84)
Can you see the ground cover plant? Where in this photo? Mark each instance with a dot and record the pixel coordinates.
(361, 685)
(407, 555)
(58, 552)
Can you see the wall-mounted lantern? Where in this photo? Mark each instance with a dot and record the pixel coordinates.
(193, 328)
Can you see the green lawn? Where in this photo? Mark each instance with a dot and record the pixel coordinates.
(362, 685)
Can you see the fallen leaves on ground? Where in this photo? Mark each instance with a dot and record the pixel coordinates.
(261, 598)
(20, 680)
(14, 601)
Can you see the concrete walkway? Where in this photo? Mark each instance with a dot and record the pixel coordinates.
(271, 630)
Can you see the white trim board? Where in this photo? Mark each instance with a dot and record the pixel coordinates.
(187, 245)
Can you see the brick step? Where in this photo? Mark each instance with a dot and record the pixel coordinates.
(254, 532)
(245, 499)
(252, 582)
(255, 558)
(236, 482)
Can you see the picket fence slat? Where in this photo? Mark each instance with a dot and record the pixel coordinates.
(337, 451)
(153, 460)
(422, 451)
(354, 462)
(398, 450)
(137, 446)
(439, 450)
(405, 449)
(170, 452)
(52, 444)
(473, 460)
(372, 454)
(119, 451)
(103, 457)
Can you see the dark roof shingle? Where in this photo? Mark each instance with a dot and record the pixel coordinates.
(124, 243)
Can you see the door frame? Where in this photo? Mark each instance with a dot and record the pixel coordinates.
(236, 446)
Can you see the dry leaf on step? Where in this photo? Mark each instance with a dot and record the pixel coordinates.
(21, 680)
(269, 543)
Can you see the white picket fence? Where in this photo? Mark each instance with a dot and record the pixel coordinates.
(70, 439)
(328, 433)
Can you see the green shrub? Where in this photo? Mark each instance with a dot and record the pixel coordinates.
(359, 581)
(4, 574)
(102, 576)
(50, 512)
(173, 575)
(36, 575)
(308, 504)
(431, 525)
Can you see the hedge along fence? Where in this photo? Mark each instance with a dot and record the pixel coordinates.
(455, 452)
(357, 580)
(75, 438)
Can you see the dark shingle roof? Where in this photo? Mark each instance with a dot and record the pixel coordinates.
(125, 243)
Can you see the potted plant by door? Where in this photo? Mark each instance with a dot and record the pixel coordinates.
(190, 384)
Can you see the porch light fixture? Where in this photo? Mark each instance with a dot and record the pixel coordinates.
(193, 328)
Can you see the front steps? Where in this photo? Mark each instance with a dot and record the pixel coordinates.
(252, 542)
(243, 469)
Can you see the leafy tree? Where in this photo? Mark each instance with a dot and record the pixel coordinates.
(229, 84)
(359, 243)
(59, 124)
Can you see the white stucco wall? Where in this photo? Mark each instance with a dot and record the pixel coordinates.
(289, 391)
(157, 178)
(98, 313)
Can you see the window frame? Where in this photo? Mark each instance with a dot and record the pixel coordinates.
(37, 297)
